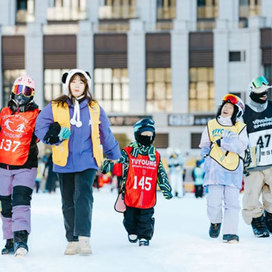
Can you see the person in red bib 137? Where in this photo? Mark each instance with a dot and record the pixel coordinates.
(142, 171)
(18, 164)
(223, 143)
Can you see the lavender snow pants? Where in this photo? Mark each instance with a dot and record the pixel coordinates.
(15, 193)
(217, 195)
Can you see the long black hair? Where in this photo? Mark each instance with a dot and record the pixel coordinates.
(234, 115)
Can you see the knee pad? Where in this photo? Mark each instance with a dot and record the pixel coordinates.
(6, 206)
(21, 196)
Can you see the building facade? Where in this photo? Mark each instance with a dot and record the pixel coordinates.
(171, 60)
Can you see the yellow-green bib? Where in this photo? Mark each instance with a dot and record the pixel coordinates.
(62, 116)
(227, 159)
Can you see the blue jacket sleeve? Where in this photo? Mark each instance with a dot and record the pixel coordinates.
(45, 118)
(109, 143)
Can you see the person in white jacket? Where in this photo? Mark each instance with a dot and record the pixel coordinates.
(223, 143)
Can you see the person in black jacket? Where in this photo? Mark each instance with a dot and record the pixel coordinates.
(258, 181)
(18, 164)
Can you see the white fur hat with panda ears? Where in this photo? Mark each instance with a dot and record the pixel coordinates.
(66, 77)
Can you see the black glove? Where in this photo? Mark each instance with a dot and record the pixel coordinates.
(247, 158)
(51, 136)
(218, 142)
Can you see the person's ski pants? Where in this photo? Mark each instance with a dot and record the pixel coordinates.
(139, 222)
(77, 202)
(256, 184)
(217, 195)
(16, 187)
(176, 182)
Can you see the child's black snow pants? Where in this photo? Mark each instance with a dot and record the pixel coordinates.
(140, 222)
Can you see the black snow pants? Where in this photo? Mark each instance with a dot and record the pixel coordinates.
(139, 222)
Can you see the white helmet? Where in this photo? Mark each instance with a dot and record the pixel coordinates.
(258, 85)
(237, 101)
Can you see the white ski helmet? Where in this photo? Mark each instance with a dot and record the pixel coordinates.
(237, 101)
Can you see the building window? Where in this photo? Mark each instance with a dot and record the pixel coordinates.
(201, 92)
(53, 84)
(25, 11)
(9, 78)
(118, 9)
(158, 90)
(207, 11)
(166, 9)
(268, 75)
(237, 56)
(195, 140)
(161, 140)
(68, 10)
(249, 8)
(111, 89)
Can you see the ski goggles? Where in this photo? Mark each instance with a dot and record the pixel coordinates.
(233, 99)
(259, 82)
(24, 90)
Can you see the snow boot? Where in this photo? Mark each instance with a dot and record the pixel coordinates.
(259, 227)
(214, 230)
(72, 248)
(20, 243)
(268, 220)
(143, 242)
(230, 238)
(84, 245)
(133, 238)
(9, 247)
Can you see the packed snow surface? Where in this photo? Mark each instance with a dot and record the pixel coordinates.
(180, 242)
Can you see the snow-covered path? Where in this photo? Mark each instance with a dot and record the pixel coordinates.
(180, 241)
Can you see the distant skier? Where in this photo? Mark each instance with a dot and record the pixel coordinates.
(198, 177)
(176, 170)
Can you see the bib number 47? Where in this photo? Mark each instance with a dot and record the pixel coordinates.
(144, 182)
(264, 141)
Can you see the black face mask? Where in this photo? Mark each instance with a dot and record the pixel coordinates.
(20, 103)
(145, 140)
(257, 97)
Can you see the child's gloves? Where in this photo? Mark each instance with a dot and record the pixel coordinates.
(106, 167)
(51, 136)
(218, 142)
(167, 194)
(64, 133)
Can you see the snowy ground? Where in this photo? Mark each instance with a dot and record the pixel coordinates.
(180, 242)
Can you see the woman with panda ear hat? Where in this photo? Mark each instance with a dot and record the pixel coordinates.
(79, 132)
